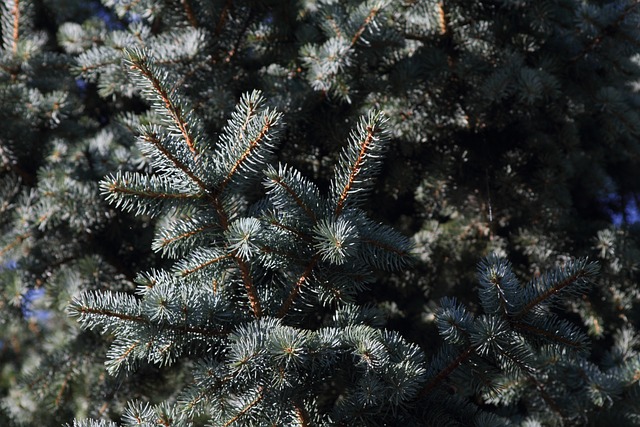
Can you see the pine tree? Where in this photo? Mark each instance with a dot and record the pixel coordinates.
(230, 188)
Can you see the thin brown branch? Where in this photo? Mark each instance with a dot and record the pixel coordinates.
(246, 408)
(384, 246)
(63, 388)
(188, 271)
(129, 350)
(174, 110)
(252, 146)
(334, 26)
(367, 21)
(444, 373)
(301, 414)
(153, 139)
(110, 313)
(141, 319)
(545, 396)
(296, 288)
(595, 42)
(355, 169)
(223, 17)
(250, 288)
(168, 241)
(188, 11)
(238, 41)
(15, 242)
(103, 408)
(551, 292)
(114, 188)
(16, 26)
(442, 18)
(307, 210)
(546, 334)
(291, 230)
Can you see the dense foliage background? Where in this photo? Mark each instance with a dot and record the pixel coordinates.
(506, 130)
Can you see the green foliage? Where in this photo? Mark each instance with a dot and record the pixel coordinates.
(270, 213)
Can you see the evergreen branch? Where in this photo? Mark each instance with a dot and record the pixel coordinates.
(63, 387)
(188, 10)
(385, 246)
(595, 42)
(241, 34)
(355, 169)
(253, 144)
(500, 294)
(442, 18)
(109, 313)
(295, 197)
(144, 320)
(207, 263)
(205, 392)
(85, 68)
(250, 111)
(301, 414)
(364, 144)
(153, 139)
(500, 290)
(246, 408)
(292, 230)
(223, 17)
(545, 396)
(289, 193)
(372, 14)
(334, 26)
(127, 8)
(245, 147)
(15, 242)
(116, 189)
(16, 26)
(296, 288)
(582, 272)
(250, 288)
(444, 373)
(126, 353)
(147, 194)
(549, 335)
(138, 62)
(170, 240)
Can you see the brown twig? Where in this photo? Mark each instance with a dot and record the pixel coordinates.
(442, 18)
(250, 288)
(252, 146)
(299, 283)
(16, 26)
(307, 210)
(355, 169)
(444, 373)
(246, 408)
(188, 10)
(174, 110)
(223, 17)
(367, 21)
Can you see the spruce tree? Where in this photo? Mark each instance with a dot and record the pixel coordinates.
(301, 213)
